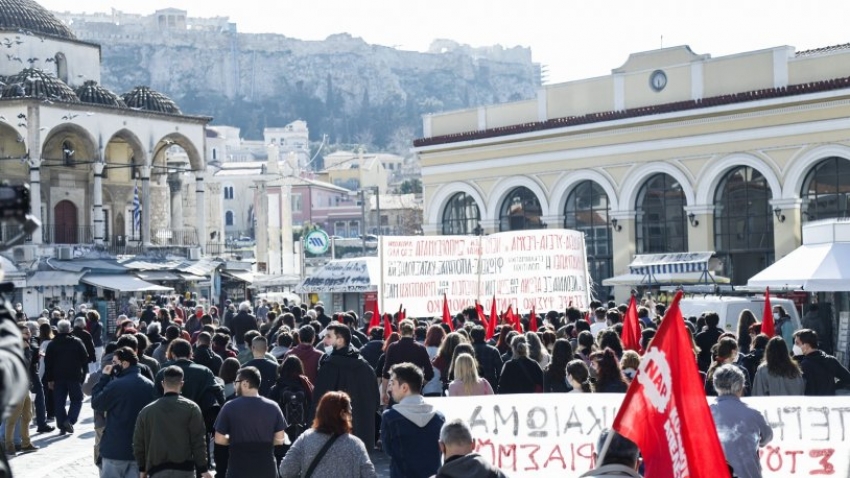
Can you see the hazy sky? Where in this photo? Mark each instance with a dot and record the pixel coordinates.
(572, 39)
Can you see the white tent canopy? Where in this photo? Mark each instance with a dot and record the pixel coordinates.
(362, 274)
(810, 267)
(674, 268)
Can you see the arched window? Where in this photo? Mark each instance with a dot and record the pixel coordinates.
(660, 216)
(61, 67)
(228, 218)
(520, 210)
(743, 224)
(461, 215)
(586, 210)
(826, 190)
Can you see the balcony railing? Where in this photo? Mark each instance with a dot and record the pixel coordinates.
(174, 237)
(62, 234)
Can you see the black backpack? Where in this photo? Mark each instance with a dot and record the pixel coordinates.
(293, 404)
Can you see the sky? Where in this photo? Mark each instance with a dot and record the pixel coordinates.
(571, 39)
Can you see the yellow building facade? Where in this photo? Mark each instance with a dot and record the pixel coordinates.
(672, 152)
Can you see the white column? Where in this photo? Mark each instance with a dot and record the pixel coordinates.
(97, 196)
(145, 172)
(35, 196)
(201, 212)
(175, 185)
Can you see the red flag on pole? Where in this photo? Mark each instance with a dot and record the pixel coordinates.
(494, 316)
(388, 325)
(532, 319)
(447, 316)
(376, 317)
(401, 312)
(665, 411)
(631, 328)
(768, 327)
(513, 319)
(479, 309)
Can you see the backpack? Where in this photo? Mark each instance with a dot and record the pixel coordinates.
(293, 403)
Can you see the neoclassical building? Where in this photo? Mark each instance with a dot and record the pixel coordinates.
(89, 154)
(673, 151)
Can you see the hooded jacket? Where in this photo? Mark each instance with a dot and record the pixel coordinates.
(821, 372)
(410, 435)
(472, 465)
(344, 370)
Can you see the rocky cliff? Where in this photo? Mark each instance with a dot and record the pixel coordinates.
(343, 87)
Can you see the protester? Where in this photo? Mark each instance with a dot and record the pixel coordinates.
(442, 362)
(621, 458)
(823, 373)
(242, 323)
(460, 460)
(600, 321)
(406, 350)
(344, 369)
(373, 349)
(267, 368)
(203, 354)
(410, 430)
(329, 449)
(555, 375)
(536, 350)
(746, 319)
(520, 374)
(169, 434)
(488, 357)
(609, 377)
(309, 356)
(725, 352)
(79, 331)
(578, 376)
(161, 352)
(94, 327)
(227, 374)
(742, 430)
(65, 368)
(141, 351)
(121, 394)
(467, 382)
(706, 338)
(283, 342)
(293, 393)
(629, 363)
(251, 426)
(778, 374)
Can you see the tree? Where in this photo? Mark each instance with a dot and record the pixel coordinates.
(411, 186)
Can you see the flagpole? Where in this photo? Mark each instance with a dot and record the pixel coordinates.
(605, 446)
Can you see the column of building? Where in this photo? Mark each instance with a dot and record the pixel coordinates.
(145, 172)
(97, 199)
(201, 212)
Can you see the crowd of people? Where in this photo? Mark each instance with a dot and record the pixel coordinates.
(286, 390)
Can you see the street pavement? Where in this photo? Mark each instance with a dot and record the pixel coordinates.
(71, 456)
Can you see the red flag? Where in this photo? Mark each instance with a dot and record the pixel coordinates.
(767, 325)
(376, 317)
(665, 411)
(494, 316)
(401, 313)
(513, 319)
(388, 325)
(447, 316)
(479, 309)
(532, 319)
(631, 328)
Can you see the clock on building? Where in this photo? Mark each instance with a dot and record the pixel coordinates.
(657, 80)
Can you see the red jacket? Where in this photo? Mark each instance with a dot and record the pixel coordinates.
(310, 357)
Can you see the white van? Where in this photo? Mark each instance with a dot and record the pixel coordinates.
(730, 307)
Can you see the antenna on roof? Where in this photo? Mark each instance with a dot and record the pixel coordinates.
(662, 42)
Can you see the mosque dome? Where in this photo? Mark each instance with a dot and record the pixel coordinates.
(144, 98)
(29, 18)
(95, 94)
(36, 83)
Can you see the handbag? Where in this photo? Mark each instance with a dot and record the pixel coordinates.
(319, 456)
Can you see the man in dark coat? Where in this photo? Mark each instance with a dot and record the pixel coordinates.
(321, 317)
(823, 373)
(241, 323)
(489, 359)
(345, 370)
(65, 368)
(707, 338)
(204, 355)
(406, 350)
(81, 333)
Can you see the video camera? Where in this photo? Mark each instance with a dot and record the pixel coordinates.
(15, 208)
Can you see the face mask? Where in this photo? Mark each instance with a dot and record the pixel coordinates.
(329, 349)
(776, 315)
(797, 350)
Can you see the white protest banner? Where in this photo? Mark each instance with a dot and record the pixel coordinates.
(544, 269)
(549, 435)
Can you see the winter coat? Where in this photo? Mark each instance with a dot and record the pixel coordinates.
(521, 375)
(121, 398)
(87, 340)
(821, 372)
(310, 358)
(346, 458)
(241, 323)
(472, 465)
(768, 384)
(410, 433)
(489, 363)
(407, 350)
(66, 358)
(346, 371)
(203, 355)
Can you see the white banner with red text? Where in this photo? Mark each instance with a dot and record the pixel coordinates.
(541, 269)
(549, 435)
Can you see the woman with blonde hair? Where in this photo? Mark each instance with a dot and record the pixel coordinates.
(536, 350)
(467, 382)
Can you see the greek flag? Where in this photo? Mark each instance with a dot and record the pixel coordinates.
(137, 211)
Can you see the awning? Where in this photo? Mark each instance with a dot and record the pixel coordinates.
(675, 263)
(682, 278)
(244, 276)
(158, 276)
(261, 282)
(54, 279)
(810, 267)
(344, 275)
(192, 278)
(123, 283)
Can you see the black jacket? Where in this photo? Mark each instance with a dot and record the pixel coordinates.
(705, 340)
(555, 385)
(372, 352)
(241, 323)
(87, 340)
(408, 350)
(96, 330)
(204, 356)
(520, 375)
(65, 359)
(345, 370)
(821, 371)
(199, 384)
(489, 363)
